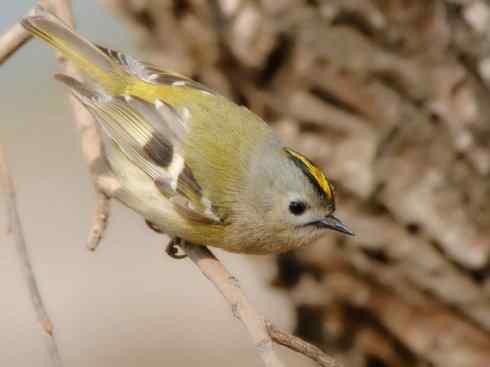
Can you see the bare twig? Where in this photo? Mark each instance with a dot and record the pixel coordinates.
(11, 41)
(229, 287)
(299, 345)
(91, 142)
(263, 333)
(102, 210)
(15, 228)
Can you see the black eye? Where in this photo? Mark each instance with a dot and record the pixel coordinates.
(297, 207)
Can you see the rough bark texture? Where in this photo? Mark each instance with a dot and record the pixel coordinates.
(391, 97)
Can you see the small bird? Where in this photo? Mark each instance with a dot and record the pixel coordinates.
(194, 164)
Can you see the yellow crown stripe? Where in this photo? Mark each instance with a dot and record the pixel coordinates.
(319, 176)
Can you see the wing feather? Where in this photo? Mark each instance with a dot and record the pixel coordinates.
(151, 137)
(152, 73)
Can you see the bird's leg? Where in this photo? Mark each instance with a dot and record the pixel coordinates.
(173, 246)
(173, 249)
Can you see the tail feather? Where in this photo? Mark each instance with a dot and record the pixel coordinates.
(87, 57)
(81, 91)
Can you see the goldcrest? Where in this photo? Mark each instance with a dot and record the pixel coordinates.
(194, 164)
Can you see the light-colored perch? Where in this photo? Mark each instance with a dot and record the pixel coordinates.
(230, 288)
(263, 333)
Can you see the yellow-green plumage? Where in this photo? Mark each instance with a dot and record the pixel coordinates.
(189, 160)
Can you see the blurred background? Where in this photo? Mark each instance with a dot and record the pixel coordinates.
(389, 96)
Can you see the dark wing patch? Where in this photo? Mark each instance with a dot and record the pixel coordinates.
(159, 149)
(187, 180)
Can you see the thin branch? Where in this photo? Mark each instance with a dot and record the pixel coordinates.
(263, 333)
(11, 41)
(15, 228)
(230, 288)
(299, 345)
(102, 210)
(14, 38)
(91, 141)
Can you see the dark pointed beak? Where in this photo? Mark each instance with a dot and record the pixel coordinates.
(334, 223)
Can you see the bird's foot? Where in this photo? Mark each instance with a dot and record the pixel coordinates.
(173, 249)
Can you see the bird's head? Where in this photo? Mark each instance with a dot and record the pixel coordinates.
(293, 200)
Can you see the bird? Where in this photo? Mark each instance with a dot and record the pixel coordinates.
(194, 164)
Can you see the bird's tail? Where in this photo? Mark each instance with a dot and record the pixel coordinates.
(88, 58)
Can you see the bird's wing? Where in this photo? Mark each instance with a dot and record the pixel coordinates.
(151, 136)
(151, 73)
(150, 128)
